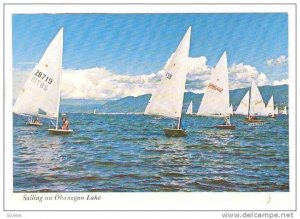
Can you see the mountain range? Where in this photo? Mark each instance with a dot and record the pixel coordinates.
(138, 104)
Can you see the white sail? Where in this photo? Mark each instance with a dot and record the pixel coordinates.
(231, 110)
(216, 96)
(167, 100)
(270, 107)
(284, 112)
(257, 105)
(243, 108)
(41, 92)
(190, 109)
(276, 111)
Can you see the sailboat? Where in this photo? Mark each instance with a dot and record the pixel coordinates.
(256, 105)
(215, 101)
(190, 109)
(167, 100)
(53, 61)
(284, 112)
(276, 112)
(243, 107)
(40, 94)
(270, 108)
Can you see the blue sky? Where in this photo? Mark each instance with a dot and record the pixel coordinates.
(135, 44)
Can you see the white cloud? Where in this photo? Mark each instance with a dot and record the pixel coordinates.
(103, 84)
(241, 75)
(281, 60)
(197, 65)
(280, 82)
(100, 83)
(96, 83)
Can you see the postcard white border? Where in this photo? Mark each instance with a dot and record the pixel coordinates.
(152, 201)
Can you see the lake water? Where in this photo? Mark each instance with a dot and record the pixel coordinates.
(129, 153)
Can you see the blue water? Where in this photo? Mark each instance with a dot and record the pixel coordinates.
(129, 153)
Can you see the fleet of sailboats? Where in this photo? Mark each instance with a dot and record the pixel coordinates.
(255, 106)
(252, 105)
(44, 84)
(167, 100)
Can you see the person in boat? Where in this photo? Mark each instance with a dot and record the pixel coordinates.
(271, 115)
(37, 120)
(29, 120)
(252, 117)
(65, 123)
(226, 120)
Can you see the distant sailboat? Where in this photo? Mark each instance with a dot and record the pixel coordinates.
(284, 112)
(243, 108)
(276, 112)
(167, 100)
(270, 108)
(190, 109)
(215, 101)
(256, 105)
(41, 92)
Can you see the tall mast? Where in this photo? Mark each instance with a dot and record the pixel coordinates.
(249, 102)
(58, 96)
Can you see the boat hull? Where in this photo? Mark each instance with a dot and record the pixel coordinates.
(225, 127)
(60, 132)
(33, 124)
(253, 120)
(175, 132)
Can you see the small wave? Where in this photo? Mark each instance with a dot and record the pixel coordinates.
(126, 139)
(219, 181)
(83, 178)
(130, 175)
(56, 168)
(36, 191)
(173, 174)
(104, 164)
(95, 190)
(51, 177)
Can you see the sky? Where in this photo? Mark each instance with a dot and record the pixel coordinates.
(109, 56)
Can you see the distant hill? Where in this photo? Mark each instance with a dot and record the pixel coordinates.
(138, 104)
